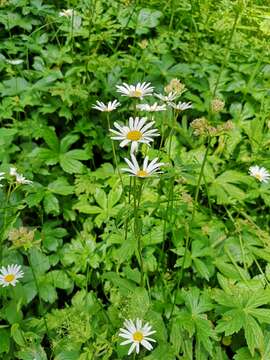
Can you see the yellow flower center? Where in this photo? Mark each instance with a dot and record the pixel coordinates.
(136, 93)
(258, 176)
(134, 135)
(9, 278)
(138, 336)
(142, 173)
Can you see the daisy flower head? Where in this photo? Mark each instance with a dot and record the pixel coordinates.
(181, 106)
(9, 275)
(112, 105)
(137, 334)
(136, 91)
(260, 173)
(151, 108)
(168, 98)
(147, 169)
(137, 131)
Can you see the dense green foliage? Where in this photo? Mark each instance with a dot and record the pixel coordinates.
(201, 228)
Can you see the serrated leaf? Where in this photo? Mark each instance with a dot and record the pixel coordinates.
(17, 334)
(253, 334)
(4, 341)
(39, 262)
(231, 322)
(101, 198)
(69, 164)
(67, 141)
(51, 139)
(114, 196)
(61, 186)
(51, 204)
(60, 279)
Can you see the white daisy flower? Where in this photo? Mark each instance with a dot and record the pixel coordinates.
(147, 169)
(20, 179)
(168, 98)
(136, 132)
(181, 105)
(151, 108)
(14, 61)
(137, 334)
(137, 91)
(112, 105)
(260, 173)
(9, 275)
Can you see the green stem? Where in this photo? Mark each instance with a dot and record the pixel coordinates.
(137, 226)
(227, 53)
(189, 226)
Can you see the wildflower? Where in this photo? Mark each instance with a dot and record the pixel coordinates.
(167, 98)
(112, 105)
(175, 85)
(136, 335)
(22, 237)
(137, 132)
(151, 108)
(200, 126)
(20, 179)
(67, 13)
(10, 275)
(136, 91)
(260, 173)
(217, 105)
(14, 61)
(181, 106)
(147, 169)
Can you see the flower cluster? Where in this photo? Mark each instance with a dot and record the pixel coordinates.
(20, 179)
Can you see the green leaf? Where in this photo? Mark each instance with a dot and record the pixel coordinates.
(4, 341)
(39, 262)
(101, 198)
(60, 279)
(17, 334)
(67, 141)
(61, 186)
(253, 334)
(231, 322)
(51, 139)
(125, 286)
(47, 292)
(69, 164)
(14, 86)
(35, 351)
(114, 196)
(51, 204)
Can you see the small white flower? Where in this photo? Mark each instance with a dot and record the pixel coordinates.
(147, 169)
(168, 98)
(112, 105)
(137, 334)
(137, 132)
(67, 13)
(13, 171)
(260, 173)
(20, 179)
(181, 106)
(137, 91)
(151, 108)
(9, 275)
(14, 62)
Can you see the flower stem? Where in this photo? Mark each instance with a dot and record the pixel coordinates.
(137, 226)
(189, 226)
